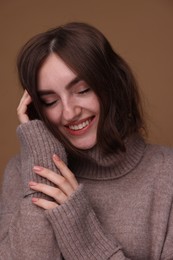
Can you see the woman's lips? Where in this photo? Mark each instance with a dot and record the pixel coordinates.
(80, 127)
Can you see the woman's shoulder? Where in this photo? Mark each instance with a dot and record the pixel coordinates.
(12, 169)
(160, 151)
(161, 159)
(11, 190)
(14, 162)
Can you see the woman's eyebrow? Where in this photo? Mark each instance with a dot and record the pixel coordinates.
(68, 86)
(45, 92)
(72, 82)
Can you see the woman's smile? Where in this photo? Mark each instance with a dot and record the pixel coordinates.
(80, 127)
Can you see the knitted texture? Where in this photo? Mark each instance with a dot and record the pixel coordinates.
(33, 138)
(85, 231)
(121, 210)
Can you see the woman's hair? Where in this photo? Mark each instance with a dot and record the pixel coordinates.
(89, 54)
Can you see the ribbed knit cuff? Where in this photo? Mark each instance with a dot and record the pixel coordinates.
(78, 231)
(37, 148)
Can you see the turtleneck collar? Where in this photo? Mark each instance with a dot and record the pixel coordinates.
(104, 167)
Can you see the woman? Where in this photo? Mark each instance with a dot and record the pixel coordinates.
(86, 185)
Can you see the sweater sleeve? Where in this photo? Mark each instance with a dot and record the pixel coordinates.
(25, 232)
(37, 148)
(79, 233)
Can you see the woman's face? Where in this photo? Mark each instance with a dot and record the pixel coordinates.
(68, 102)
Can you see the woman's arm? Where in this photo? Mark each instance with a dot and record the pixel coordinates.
(25, 232)
(79, 231)
(77, 228)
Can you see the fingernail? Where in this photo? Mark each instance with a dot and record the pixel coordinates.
(32, 183)
(56, 157)
(35, 199)
(37, 168)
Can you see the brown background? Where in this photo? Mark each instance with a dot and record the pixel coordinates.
(140, 30)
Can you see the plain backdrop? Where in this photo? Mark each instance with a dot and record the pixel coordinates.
(140, 30)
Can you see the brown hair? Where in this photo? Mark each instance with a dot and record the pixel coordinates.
(87, 52)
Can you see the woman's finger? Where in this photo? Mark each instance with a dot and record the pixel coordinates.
(65, 171)
(22, 107)
(25, 100)
(55, 178)
(53, 192)
(45, 204)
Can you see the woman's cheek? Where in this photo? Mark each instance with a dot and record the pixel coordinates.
(53, 116)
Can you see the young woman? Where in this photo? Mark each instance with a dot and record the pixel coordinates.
(86, 185)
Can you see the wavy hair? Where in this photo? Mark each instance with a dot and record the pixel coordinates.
(89, 54)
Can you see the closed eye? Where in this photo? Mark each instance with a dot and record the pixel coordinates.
(48, 104)
(84, 91)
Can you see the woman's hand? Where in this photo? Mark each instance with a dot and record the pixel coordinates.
(22, 108)
(66, 184)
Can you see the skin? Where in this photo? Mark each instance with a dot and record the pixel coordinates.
(69, 102)
(70, 106)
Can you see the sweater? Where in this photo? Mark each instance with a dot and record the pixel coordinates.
(121, 210)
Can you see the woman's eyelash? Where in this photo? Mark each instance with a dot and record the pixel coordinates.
(84, 91)
(48, 104)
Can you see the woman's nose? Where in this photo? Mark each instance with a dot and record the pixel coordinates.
(71, 111)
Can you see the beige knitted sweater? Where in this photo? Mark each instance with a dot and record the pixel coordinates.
(123, 208)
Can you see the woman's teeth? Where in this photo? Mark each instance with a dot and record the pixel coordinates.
(80, 126)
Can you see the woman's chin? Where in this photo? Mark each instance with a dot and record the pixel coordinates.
(84, 145)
